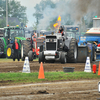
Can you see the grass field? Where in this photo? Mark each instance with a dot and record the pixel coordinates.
(18, 78)
(11, 60)
(6, 60)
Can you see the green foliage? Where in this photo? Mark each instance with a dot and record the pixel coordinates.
(35, 26)
(2, 22)
(15, 9)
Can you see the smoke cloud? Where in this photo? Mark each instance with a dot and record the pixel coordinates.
(75, 8)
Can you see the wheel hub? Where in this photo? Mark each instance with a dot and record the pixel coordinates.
(9, 52)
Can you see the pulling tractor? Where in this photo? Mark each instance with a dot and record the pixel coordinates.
(37, 44)
(89, 43)
(59, 48)
(6, 42)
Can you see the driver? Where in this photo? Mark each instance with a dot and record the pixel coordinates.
(34, 34)
(61, 30)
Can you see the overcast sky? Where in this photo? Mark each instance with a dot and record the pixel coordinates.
(30, 4)
(76, 8)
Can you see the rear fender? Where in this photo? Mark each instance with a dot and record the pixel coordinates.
(67, 42)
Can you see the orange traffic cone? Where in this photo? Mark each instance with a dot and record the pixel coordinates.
(99, 69)
(41, 72)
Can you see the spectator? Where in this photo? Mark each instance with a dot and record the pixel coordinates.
(16, 49)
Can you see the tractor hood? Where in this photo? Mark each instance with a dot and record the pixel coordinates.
(20, 38)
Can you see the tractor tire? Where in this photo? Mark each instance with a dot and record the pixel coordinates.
(41, 48)
(30, 55)
(9, 51)
(2, 49)
(25, 48)
(82, 54)
(72, 53)
(94, 54)
(41, 57)
(63, 58)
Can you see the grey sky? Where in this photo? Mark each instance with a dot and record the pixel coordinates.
(30, 4)
(76, 8)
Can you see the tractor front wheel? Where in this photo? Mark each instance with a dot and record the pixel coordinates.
(9, 51)
(30, 55)
(41, 57)
(63, 58)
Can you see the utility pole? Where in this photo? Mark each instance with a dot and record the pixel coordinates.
(6, 12)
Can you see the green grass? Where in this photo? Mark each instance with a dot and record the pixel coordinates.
(11, 60)
(6, 60)
(17, 78)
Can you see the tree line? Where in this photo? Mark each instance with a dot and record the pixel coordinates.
(15, 11)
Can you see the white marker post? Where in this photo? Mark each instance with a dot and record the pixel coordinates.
(26, 66)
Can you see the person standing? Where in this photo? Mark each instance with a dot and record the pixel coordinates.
(16, 49)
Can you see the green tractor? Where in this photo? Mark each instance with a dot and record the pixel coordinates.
(6, 42)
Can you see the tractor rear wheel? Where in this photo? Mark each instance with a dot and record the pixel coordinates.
(73, 51)
(25, 48)
(82, 54)
(9, 51)
(94, 54)
(2, 49)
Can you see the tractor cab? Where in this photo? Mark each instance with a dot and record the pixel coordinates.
(72, 31)
(11, 32)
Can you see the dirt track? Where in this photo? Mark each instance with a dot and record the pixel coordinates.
(34, 66)
(71, 90)
(87, 90)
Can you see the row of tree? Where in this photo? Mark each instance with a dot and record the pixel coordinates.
(15, 11)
